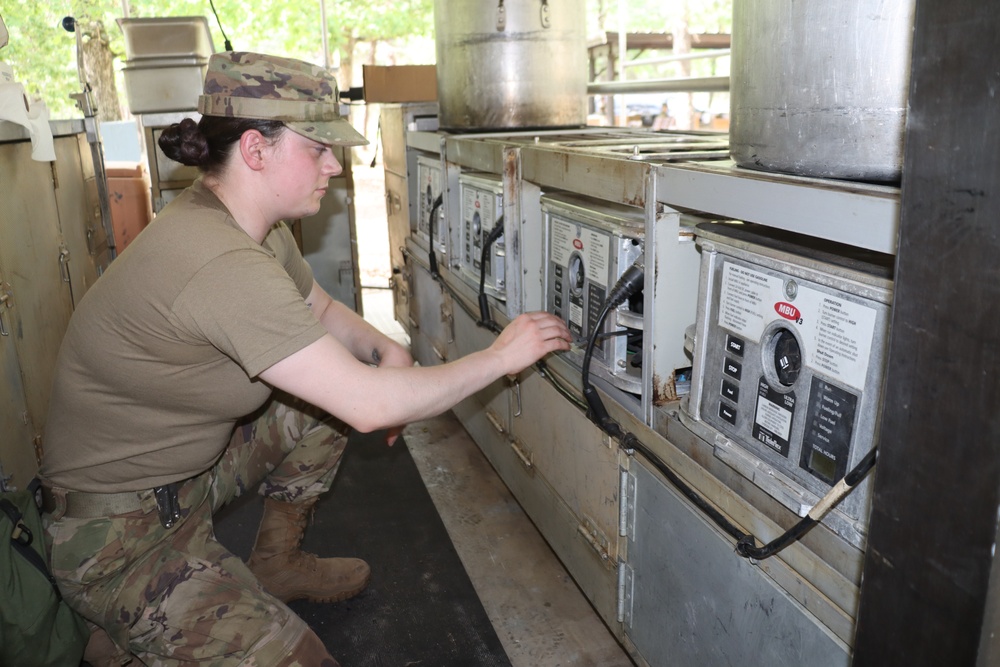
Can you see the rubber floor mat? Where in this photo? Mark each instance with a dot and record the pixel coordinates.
(420, 609)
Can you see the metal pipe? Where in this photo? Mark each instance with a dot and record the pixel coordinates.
(715, 53)
(708, 84)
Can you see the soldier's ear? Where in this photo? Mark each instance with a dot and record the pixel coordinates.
(252, 149)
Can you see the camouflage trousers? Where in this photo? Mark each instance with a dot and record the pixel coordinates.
(176, 596)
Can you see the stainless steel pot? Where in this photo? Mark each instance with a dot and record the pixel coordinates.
(511, 63)
(819, 88)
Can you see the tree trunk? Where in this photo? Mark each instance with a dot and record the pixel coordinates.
(347, 56)
(99, 71)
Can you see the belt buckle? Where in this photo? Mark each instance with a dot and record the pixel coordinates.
(167, 505)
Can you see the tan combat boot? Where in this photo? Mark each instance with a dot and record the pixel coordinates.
(288, 573)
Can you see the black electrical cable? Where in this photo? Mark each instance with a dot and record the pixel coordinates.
(543, 370)
(596, 410)
(630, 442)
(431, 256)
(629, 283)
(228, 45)
(747, 548)
(599, 415)
(485, 318)
(540, 365)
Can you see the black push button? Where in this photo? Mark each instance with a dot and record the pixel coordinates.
(733, 369)
(730, 391)
(735, 345)
(728, 413)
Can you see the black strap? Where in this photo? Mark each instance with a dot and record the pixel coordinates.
(22, 543)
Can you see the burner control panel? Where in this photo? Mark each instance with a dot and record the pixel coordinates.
(790, 348)
(589, 245)
(482, 208)
(428, 190)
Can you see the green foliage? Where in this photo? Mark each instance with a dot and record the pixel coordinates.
(43, 55)
(703, 16)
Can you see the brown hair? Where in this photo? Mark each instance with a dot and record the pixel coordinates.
(208, 143)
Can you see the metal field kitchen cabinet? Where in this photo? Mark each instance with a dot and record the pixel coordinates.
(53, 246)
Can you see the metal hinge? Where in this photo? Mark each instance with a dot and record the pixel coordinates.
(522, 453)
(38, 445)
(494, 419)
(345, 273)
(597, 541)
(625, 587)
(626, 504)
(448, 319)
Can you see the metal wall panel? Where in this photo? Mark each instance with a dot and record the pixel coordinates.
(692, 601)
(576, 459)
(79, 206)
(17, 457)
(34, 258)
(54, 246)
(398, 218)
(329, 238)
(432, 332)
(556, 521)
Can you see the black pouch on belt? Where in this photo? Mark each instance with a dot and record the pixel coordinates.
(167, 504)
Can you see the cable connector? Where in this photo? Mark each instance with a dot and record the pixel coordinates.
(629, 283)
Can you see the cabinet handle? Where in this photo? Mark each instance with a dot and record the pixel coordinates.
(517, 393)
(3, 303)
(64, 264)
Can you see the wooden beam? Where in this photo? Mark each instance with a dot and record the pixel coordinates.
(925, 593)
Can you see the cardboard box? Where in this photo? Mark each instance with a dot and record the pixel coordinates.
(400, 83)
(131, 209)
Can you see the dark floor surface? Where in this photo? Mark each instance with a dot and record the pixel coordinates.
(420, 608)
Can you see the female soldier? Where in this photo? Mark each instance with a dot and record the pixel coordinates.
(208, 360)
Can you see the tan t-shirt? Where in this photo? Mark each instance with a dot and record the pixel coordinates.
(161, 357)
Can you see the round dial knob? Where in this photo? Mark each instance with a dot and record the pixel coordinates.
(577, 274)
(787, 357)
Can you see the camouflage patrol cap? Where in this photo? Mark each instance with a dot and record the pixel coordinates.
(253, 85)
